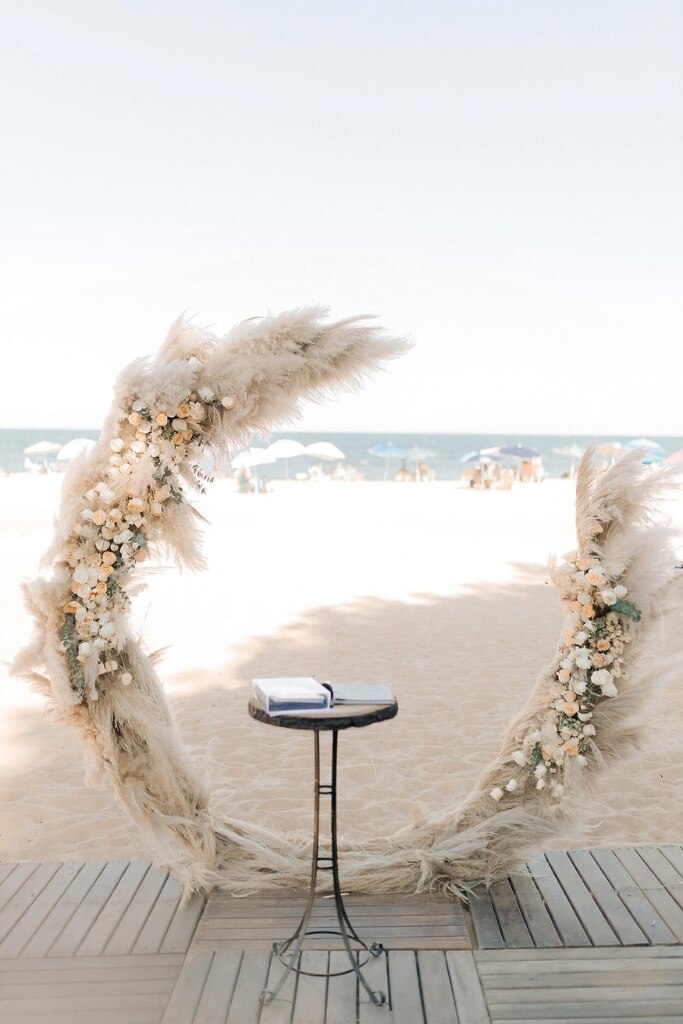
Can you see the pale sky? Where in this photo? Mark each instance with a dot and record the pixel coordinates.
(500, 179)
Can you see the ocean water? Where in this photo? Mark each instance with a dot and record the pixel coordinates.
(448, 450)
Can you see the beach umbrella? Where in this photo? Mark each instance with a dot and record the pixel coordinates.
(251, 457)
(610, 449)
(573, 452)
(387, 450)
(645, 442)
(324, 450)
(474, 457)
(653, 457)
(43, 448)
(519, 451)
(286, 449)
(72, 449)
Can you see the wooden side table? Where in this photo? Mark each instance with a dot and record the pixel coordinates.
(347, 716)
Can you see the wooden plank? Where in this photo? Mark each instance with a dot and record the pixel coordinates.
(594, 922)
(642, 910)
(561, 977)
(219, 986)
(22, 899)
(538, 920)
(376, 974)
(34, 971)
(664, 870)
(467, 989)
(569, 928)
(245, 1007)
(404, 984)
(437, 994)
(188, 989)
(674, 854)
(88, 910)
(183, 926)
(154, 930)
(595, 965)
(71, 1016)
(510, 919)
(24, 930)
(648, 883)
(594, 1020)
(342, 992)
(609, 952)
(281, 1009)
(309, 1005)
(137, 912)
(667, 1012)
(6, 869)
(54, 923)
(604, 894)
(14, 881)
(489, 935)
(110, 915)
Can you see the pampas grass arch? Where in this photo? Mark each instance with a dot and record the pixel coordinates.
(130, 493)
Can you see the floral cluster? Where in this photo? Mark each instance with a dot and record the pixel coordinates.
(116, 525)
(595, 635)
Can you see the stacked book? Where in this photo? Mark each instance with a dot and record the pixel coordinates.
(292, 696)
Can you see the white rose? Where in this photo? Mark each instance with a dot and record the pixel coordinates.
(228, 402)
(540, 770)
(570, 556)
(620, 591)
(589, 730)
(116, 444)
(519, 758)
(207, 395)
(540, 784)
(609, 597)
(179, 425)
(496, 792)
(81, 574)
(601, 678)
(580, 760)
(511, 786)
(126, 679)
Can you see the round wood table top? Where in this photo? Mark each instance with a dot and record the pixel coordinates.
(342, 716)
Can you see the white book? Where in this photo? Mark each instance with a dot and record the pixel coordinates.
(362, 693)
(291, 696)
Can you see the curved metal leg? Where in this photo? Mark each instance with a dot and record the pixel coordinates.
(279, 948)
(345, 927)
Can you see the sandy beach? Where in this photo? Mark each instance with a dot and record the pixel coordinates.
(440, 591)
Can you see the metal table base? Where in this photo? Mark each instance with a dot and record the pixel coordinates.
(288, 950)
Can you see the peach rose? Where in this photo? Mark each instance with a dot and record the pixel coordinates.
(571, 748)
(178, 438)
(183, 411)
(570, 708)
(109, 558)
(588, 611)
(134, 419)
(161, 420)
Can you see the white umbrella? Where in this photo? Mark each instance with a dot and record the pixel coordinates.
(251, 457)
(72, 449)
(324, 450)
(286, 449)
(42, 448)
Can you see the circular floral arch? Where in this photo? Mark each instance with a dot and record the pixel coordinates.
(130, 493)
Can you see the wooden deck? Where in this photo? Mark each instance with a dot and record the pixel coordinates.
(582, 935)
